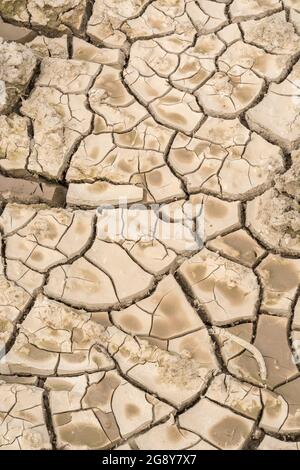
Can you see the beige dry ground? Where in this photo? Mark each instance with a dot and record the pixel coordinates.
(114, 343)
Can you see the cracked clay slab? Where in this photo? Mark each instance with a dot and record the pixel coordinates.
(149, 225)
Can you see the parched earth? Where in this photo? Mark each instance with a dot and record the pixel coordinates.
(112, 341)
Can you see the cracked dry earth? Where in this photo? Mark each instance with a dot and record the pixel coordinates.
(113, 343)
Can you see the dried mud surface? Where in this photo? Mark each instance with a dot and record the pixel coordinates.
(113, 343)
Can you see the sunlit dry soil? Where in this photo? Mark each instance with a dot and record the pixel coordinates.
(112, 342)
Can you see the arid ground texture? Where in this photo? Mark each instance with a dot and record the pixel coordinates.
(110, 340)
